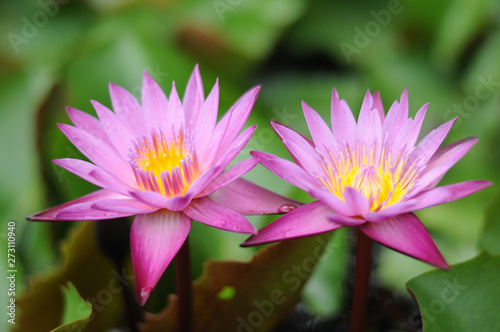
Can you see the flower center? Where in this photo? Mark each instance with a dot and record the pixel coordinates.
(368, 181)
(165, 166)
(382, 178)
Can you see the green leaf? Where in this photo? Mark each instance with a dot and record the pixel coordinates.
(76, 310)
(254, 295)
(465, 298)
(490, 236)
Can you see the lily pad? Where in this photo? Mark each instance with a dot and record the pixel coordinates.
(465, 298)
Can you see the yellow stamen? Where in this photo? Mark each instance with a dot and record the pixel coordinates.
(165, 166)
(383, 181)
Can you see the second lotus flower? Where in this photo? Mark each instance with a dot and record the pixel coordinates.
(370, 174)
(163, 161)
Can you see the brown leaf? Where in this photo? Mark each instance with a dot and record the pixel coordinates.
(247, 296)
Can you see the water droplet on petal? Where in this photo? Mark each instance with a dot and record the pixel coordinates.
(285, 208)
(287, 235)
(223, 223)
(145, 292)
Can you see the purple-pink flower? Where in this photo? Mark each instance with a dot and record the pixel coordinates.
(370, 174)
(164, 162)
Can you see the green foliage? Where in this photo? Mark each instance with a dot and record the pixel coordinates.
(490, 236)
(74, 320)
(64, 53)
(463, 299)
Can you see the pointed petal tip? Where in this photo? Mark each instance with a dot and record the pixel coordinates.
(274, 123)
(196, 71)
(253, 93)
(143, 294)
(404, 95)
(335, 93)
(438, 261)
(258, 155)
(443, 266)
(251, 242)
(147, 79)
(112, 86)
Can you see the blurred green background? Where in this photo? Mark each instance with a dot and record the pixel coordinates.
(55, 54)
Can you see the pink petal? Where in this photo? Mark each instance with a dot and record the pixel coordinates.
(430, 143)
(366, 110)
(52, 213)
(442, 161)
(332, 201)
(343, 122)
(86, 211)
(107, 181)
(205, 123)
(193, 98)
(412, 135)
(99, 153)
(88, 123)
(289, 135)
(123, 205)
(219, 216)
(310, 219)
(320, 132)
(406, 234)
(369, 128)
(234, 120)
(235, 148)
(248, 199)
(345, 221)
(175, 113)
(395, 119)
(356, 201)
(202, 182)
(150, 198)
(377, 105)
(155, 239)
(308, 160)
(92, 174)
(389, 212)
(287, 170)
(445, 194)
(121, 138)
(127, 108)
(230, 175)
(154, 103)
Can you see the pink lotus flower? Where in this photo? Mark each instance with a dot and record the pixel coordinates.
(368, 174)
(163, 161)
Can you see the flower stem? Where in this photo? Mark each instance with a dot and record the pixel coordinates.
(184, 288)
(361, 281)
(113, 238)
